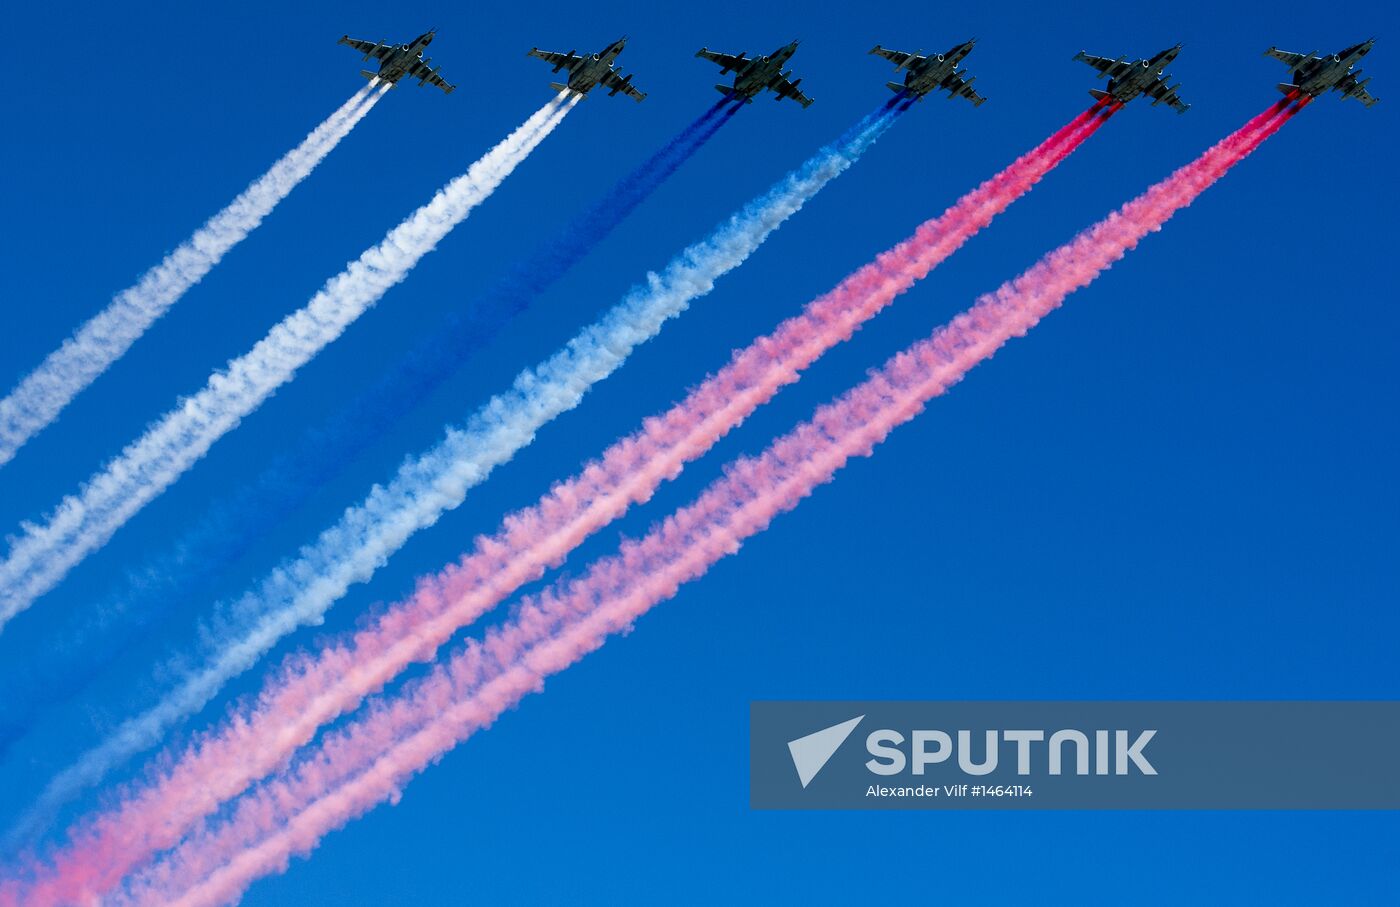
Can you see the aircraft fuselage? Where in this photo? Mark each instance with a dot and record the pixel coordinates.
(934, 71)
(401, 59)
(589, 71)
(755, 74)
(1317, 75)
(1143, 74)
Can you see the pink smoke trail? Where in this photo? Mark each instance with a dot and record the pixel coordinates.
(311, 691)
(368, 761)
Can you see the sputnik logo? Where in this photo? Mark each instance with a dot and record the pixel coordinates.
(811, 753)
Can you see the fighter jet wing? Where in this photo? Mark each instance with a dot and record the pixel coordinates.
(1291, 59)
(427, 74)
(623, 84)
(1104, 65)
(726, 61)
(898, 57)
(958, 88)
(376, 49)
(555, 59)
(1161, 93)
(786, 89)
(1354, 89)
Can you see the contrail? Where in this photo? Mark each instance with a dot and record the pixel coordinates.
(42, 554)
(44, 392)
(310, 691)
(369, 760)
(300, 592)
(94, 636)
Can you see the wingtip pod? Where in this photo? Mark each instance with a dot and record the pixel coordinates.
(875, 50)
(702, 51)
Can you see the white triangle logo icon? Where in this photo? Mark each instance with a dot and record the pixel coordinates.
(811, 753)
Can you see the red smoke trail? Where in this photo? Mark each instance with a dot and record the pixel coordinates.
(310, 691)
(367, 762)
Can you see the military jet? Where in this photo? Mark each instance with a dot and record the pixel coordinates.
(1128, 80)
(587, 72)
(758, 73)
(399, 60)
(936, 72)
(1314, 75)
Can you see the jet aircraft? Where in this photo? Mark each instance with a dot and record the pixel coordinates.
(1128, 80)
(399, 60)
(754, 74)
(936, 72)
(589, 71)
(1315, 75)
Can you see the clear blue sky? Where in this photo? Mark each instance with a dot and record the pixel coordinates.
(1181, 486)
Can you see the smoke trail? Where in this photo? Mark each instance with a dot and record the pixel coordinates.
(300, 592)
(369, 760)
(44, 392)
(42, 554)
(308, 692)
(95, 636)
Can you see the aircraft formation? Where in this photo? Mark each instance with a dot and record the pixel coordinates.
(1313, 75)
(223, 804)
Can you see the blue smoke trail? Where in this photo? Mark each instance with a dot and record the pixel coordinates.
(230, 527)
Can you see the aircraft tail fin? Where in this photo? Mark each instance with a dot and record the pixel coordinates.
(724, 89)
(1286, 87)
(369, 75)
(1098, 94)
(894, 87)
(557, 87)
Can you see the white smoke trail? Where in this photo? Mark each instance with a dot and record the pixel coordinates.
(301, 591)
(44, 392)
(42, 554)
